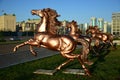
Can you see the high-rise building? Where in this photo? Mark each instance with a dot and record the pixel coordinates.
(107, 27)
(116, 23)
(86, 25)
(93, 21)
(8, 22)
(100, 23)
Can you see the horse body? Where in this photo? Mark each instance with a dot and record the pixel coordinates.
(56, 42)
(103, 37)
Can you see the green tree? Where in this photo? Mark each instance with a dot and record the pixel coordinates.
(14, 15)
(5, 14)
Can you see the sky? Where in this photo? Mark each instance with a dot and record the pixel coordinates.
(78, 10)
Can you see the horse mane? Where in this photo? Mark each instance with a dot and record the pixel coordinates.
(53, 22)
(76, 26)
(95, 28)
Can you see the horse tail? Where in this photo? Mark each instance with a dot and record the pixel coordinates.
(111, 37)
(85, 48)
(111, 41)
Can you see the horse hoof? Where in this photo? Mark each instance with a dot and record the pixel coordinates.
(14, 50)
(88, 63)
(35, 54)
(88, 74)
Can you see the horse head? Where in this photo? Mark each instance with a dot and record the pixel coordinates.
(40, 13)
(88, 30)
(48, 19)
(53, 21)
(73, 26)
(91, 30)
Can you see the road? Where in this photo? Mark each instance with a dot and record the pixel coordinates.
(22, 56)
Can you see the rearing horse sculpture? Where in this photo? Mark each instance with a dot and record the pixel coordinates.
(62, 43)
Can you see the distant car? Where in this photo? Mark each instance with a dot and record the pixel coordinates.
(14, 39)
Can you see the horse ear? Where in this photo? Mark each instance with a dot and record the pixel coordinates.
(47, 9)
(74, 21)
(58, 15)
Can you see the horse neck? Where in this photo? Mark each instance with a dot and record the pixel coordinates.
(73, 30)
(42, 27)
(93, 31)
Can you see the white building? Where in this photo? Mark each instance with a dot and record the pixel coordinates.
(101, 23)
(93, 21)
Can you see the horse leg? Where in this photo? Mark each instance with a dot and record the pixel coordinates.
(95, 53)
(97, 42)
(84, 57)
(22, 44)
(68, 55)
(113, 46)
(83, 66)
(63, 64)
(70, 59)
(85, 51)
(30, 42)
(33, 51)
(95, 48)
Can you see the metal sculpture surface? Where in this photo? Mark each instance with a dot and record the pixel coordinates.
(62, 43)
(86, 41)
(100, 36)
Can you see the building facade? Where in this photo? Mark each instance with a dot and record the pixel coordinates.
(8, 22)
(116, 23)
(29, 25)
(107, 27)
(93, 21)
(101, 23)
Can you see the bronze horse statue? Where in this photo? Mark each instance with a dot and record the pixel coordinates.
(62, 43)
(75, 34)
(100, 36)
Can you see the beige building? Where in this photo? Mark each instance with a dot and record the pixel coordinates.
(29, 25)
(116, 23)
(8, 22)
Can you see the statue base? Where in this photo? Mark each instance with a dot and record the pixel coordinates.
(43, 71)
(74, 71)
(66, 71)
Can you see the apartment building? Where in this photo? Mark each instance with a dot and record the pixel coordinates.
(28, 25)
(8, 22)
(116, 23)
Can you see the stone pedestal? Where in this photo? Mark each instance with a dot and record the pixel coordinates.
(66, 71)
(43, 71)
(74, 71)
